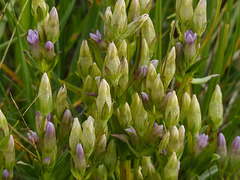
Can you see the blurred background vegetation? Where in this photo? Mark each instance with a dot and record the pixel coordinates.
(80, 17)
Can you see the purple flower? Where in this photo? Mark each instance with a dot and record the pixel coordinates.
(47, 160)
(96, 36)
(33, 37)
(79, 159)
(221, 148)
(234, 153)
(34, 135)
(190, 37)
(202, 142)
(49, 117)
(50, 129)
(5, 174)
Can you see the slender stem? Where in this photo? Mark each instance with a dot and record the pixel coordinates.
(158, 17)
(125, 169)
(136, 167)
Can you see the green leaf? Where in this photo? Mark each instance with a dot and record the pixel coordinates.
(203, 80)
(197, 65)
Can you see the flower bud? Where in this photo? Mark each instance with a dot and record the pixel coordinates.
(38, 122)
(104, 102)
(234, 153)
(194, 116)
(123, 81)
(89, 86)
(154, 63)
(186, 11)
(3, 124)
(111, 65)
(102, 172)
(49, 117)
(134, 10)
(216, 108)
(139, 115)
(133, 136)
(147, 103)
(97, 37)
(168, 68)
(84, 60)
(122, 49)
(119, 24)
(172, 111)
(173, 144)
(157, 93)
(190, 46)
(52, 26)
(49, 52)
(5, 175)
(124, 116)
(110, 159)
(9, 154)
(65, 124)
(79, 160)
(147, 167)
(186, 101)
(165, 101)
(181, 130)
(61, 102)
(75, 135)
(39, 10)
(200, 17)
(155, 134)
(164, 143)
(45, 95)
(47, 161)
(88, 136)
(49, 138)
(101, 146)
(145, 6)
(95, 71)
(221, 149)
(202, 142)
(145, 56)
(151, 76)
(32, 136)
(141, 74)
(170, 170)
(107, 24)
(148, 31)
(35, 47)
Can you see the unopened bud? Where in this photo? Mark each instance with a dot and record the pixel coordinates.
(47, 161)
(52, 26)
(155, 134)
(221, 148)
(151, 76)
(169, 67)
(154, 63)
(95, 71)
(111, 65)
(123, 81)
(186, 101)
(49, 52)
(186, 11)
(134, 10)
(145, 56)
(101, 146)
(190, 46)
(173, 144)
(88, 136)
(194, 116)
(39, 10)
(5, 174)
(119, 24)
(61, 102)
(124, 116)
(122, 49)
(107, 24)
(32, 136)
(234, 153)
(89, 86)
(38, 122)
(65, 124)
(110, 159)
(145, 6)
(35, 47)
(79, 160)
(84, 60)
(216, 108)
(157, 93)
(202, 142)
(148, 31)
(75, 135)
(3, 123)
(104, 101)
(164, 143)
(102, 172)
(147, 103)
(172, 111)
(133, 136)
(9, 154)
(170, 170)
(200, 17)
(181, 135)
(45, 95)
(49, 138)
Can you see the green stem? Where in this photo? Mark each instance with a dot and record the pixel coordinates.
(136, 167)
(125, 169)
(158, 25)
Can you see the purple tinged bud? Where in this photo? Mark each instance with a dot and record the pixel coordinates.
(38, 121)
(190, 49)
(50, 130)
(96, 36)
(155, 134)
(47, 161)
(221, 148)
(49, 117)
(234, 153)
(35, 47)
(146, 101)
(49, 52)
(33, 37)
(65, 124)
(202, 142)
(133, 136)
(34, 136)
(142, 72)
(190, 37)
(5, 174)
(80, 161)
(50, 138)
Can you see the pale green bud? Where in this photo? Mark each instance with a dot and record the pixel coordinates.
(172, 111)
(154, 63)
(148, 31)
(111, 65)
(122, 49)
(145, 6)
(186, 100)
(194, 117)
(84, 60)
(101, 146)
(155, 134)
(119, 17)
(52, 26)
(39, 9)
(9, 154)
(88, 136)
(110, 159)
(49, 52)
(169, 67)
(79, 159)
(133, 136)
(89, 86)
(45, 95)
(123, 81)
(164, 143)
(151, 76)
(3, 124)
(181, 130)
(104, 101)
(61, 102)
(134, 10)
(75, 135)
(65, 124)
(149, 170)
(145, 55)
(124, 116)
(102, 172)
(157, 93)
(174, 140)
(139, 115)
(107, 24)
(200, 17)
(186, 11)
(170, 171)
(95, 71)
(49, 139)
(216, 108)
